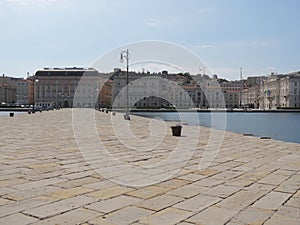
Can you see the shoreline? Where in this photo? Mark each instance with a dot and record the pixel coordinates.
(215, 110)
(15, 109)
(227, 129)
(179, 110)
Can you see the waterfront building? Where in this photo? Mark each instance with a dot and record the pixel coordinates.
(105, 95)
(86, 87)
(7, 89)
(7, 94)
(24, 92)
(213, 96)
(232, 98)
(155, 90)
(196, 94)
(134, 91)
(254, 81)
(220, 93)
(280, 91)
(143, 90)
(235, 85)
(182, 96)
(250, 97)
(67, 87)
(270, 92)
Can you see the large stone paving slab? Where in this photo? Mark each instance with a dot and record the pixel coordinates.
(44, 178)
(59, 207)
(213, 216)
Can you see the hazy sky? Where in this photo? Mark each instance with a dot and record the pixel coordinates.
(262, 36)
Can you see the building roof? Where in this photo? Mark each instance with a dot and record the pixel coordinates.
(74, 71)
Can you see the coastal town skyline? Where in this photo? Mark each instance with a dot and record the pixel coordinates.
(259, 36)
(87, 87)
(209, 73)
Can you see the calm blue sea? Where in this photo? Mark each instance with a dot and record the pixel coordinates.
(280, 126)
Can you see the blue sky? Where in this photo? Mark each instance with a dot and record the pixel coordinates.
(262, 36)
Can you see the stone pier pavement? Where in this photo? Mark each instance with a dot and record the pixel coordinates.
(47, 176)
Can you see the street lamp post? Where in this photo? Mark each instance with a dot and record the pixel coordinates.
(96, 103)
(125, 54)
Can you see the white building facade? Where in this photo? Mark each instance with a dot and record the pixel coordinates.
(280, 91)
(147, 90)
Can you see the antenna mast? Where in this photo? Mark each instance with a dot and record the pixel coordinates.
(241, 86)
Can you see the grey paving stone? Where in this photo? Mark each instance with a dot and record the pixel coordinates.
(241, 199)
(77, 216)
(167, 216)
(291, 185)
(127, 215)
(59, 206)
(17, 219)
(213, 216)
(185, 223)
(275, 220)
(222, 191)
(198, 203)
(76, 182)
(252, 215)
(19, 206)
(192, 177)
(159, 202)
(174, 183)
(274, 179)
(261, 187)
(187, 191)
(78, 175)
(209, 182)
(110, 192)
(100, 221)
(229, 174)
(293, 202)
(113, 204)
(4, 191)
(36, 184)
(272, 200)
(287, 211)
(4, 201)
(31, 193)
(102, 184)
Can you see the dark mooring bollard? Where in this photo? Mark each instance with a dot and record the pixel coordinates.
(176, 130)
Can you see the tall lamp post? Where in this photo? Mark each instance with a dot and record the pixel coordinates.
(96, 103)
(125, 54)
